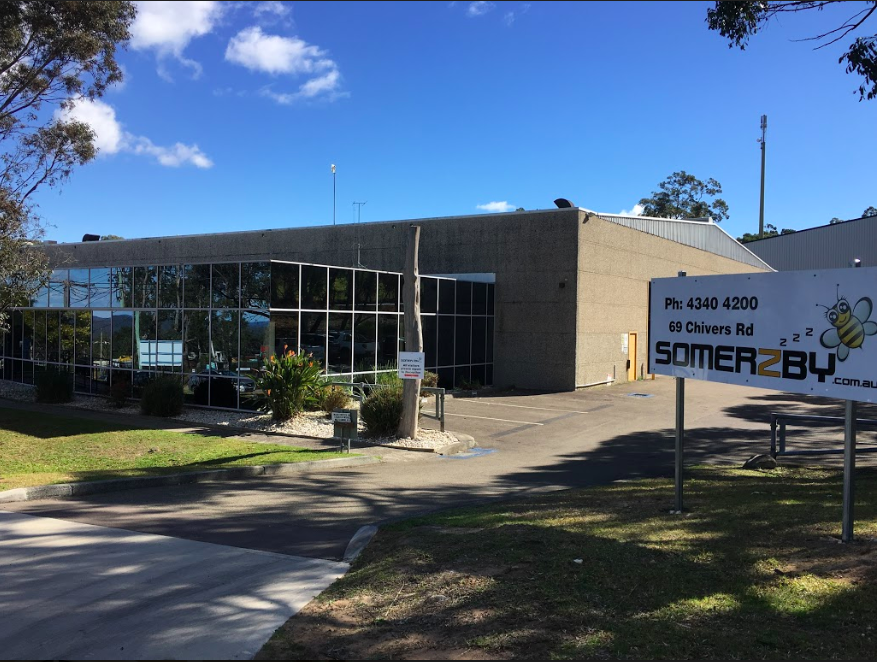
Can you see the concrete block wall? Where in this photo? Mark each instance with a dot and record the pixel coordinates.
(615, 265)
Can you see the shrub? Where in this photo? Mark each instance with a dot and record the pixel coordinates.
(381, 410)
(288, 384)
(119, 393)
(430, 380)
(391, 379)
(162, 397)
(54, 385)
(334, 397)
(467, 385)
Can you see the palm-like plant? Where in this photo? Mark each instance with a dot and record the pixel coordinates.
(288, 384)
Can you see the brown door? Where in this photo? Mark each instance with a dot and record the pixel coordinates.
(631, 354)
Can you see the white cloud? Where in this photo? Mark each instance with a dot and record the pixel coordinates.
(275, 55)
(479, 8)
(274, 8)
(636, 211)
(111, 138)
(496, 206)
(510, 17)
(168, 27)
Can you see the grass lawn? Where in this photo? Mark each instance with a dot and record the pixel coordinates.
(40, 449)
(753, 571)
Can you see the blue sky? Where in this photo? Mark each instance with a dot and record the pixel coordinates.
(231, 114)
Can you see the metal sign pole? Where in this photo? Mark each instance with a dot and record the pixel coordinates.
(849, 469)
(680, 432)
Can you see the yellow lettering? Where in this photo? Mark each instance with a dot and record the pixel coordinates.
(763, 367)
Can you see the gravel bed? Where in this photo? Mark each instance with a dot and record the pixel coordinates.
(308, 424)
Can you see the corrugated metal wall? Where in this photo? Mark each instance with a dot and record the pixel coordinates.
(705, 235)
(826, 247)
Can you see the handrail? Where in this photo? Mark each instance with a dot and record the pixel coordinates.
(364, 386)
(778, 433)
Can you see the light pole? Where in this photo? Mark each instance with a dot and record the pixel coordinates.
(333, 194)
(761, 206)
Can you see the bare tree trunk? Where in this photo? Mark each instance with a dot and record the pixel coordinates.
(413, 334)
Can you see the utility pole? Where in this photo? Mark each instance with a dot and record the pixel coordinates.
(358, 206)
(761, 206)
(333, 194)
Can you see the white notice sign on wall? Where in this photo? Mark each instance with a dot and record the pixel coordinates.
(411, 365)
(811, 332)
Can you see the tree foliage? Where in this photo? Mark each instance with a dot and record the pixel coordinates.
(52, 53)
(738, 21)
(770, 231)
(682, 195)
(869, 211)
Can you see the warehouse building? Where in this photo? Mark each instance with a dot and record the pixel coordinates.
(548, 300)
(834, 246)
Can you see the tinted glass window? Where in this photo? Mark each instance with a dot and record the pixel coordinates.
(226, 281)
(145, 345)
(78, 288)
(445, 340)
(340, 342)
(388, 340)
(68, 322)
(101, 288)
(41, 298)
(82, 340)
(479, 298)
(464, 298)
(224, 345)
(428, 295)
(196, 285)
(39, 335)
(446, 297)
(463, 341)
(122, 288)
(255, 284)
(58, 289)
(145, 287)
(312, 338)
(196, 343)
(122, 347)
(479, 339)
(489, 356)
(169, 346)
(313, 287)
(170, 287)
(340, 289)
(101, 334)
(284, 285)
(366, 290)
(284, 329)
(491, 289)
(256, 343)
(53, 337)
(364, 342)
(430, 328)
(388, 292)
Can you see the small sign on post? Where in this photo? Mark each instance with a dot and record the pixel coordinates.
(345, 422)
(411, 365)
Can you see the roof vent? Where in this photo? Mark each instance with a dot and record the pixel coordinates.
(563, 203)
(91, 237)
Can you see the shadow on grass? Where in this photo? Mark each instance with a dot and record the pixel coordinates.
(751, 573)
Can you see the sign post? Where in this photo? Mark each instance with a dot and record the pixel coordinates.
(807, 332)
(680, 433)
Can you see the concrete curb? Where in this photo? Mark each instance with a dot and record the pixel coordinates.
(464, 443)
(359, 542)
(216, 475)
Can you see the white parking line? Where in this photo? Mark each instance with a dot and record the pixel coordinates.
(503, 404)
(485, 418)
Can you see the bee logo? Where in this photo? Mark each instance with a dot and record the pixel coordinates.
(850, 326)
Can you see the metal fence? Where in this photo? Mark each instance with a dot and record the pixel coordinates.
(360, 389)
(778, 423)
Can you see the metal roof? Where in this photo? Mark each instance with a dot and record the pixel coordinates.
(824, 247)
(700, 233)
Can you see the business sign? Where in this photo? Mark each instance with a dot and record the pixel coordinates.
(411, 365)
(341, 416)
(807, 332)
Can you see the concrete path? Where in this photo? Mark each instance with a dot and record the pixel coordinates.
(74, 591)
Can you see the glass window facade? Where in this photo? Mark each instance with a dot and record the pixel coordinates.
(214, 324)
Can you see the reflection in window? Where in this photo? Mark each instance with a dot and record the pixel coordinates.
(340, 289)
(284, 329)
(428, 295)
(256, 342)
(123, 287)
(313, 287)
(388, 292)
(313, 335)
(170, 286)
(226, 278)
(122, 350)
(82, 338)
(40, 298)
(196, 341)
(66, 333)
(388, 340)
(101, 335)
(364, 341)
(196, 285)
(100, 288)
(255, 284)
(224, 342)
(366, 290)
(145, 340)
(169, 347)
(58, 289)
(284, 285)
(27, 318)
(340, 342)
(39, 335)
(145, 287)
(78, 288)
